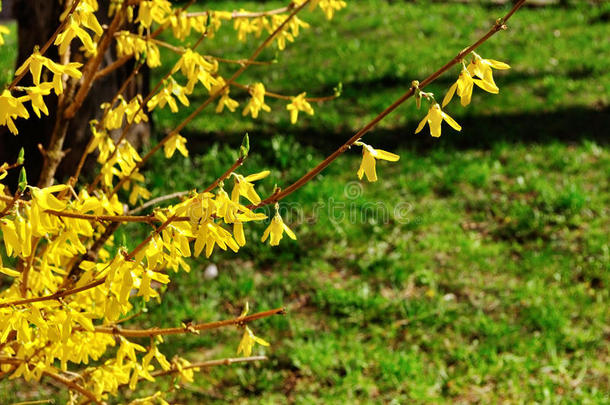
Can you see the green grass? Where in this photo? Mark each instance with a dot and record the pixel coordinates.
(475, 270)
(479, 276)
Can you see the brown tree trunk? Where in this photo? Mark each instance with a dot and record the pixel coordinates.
(37, 20)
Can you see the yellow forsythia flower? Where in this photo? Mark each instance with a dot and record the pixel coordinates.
(298, 103)
(175, 142)
(276, 230)
(244, 187)
(36, 61)
(330, 6)
(36, 97)
(73, 30)
(225, 100)
(3, 31)
(482, 68)
(434, 118)
(464, 86)
(369, 160)
(11, 108)
(257, 102)
(248, 341)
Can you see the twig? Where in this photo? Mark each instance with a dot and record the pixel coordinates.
(226, 174)
(141, 333)
(210, 363)
(255, 14)
(72, 385)
(11, 203)
(111, 218)
(283, 97)
(158, 200)
(26, 271)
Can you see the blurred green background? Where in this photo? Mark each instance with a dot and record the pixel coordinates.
(474, 271)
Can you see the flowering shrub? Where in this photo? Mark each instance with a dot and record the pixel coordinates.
(72, 285)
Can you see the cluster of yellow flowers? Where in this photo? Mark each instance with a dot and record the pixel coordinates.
(478, 72)
(72, 282)
(66, 297)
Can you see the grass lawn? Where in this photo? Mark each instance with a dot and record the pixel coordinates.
(475, 270)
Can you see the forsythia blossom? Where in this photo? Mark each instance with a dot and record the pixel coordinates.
(257, 101)
(11, 108)
(369, 160)
(464, 86)
(298, 103)
(276, 230)
(482, 68)
(3, 31)
(434, 118)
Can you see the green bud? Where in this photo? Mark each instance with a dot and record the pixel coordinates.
(338, 89)
(21, 157)
(23, 180)
(244, 149)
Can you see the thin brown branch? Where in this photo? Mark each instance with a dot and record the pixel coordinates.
(9, 167)
(277, 196)
(246, 14)
(26, 271)
(283, 97)
(150, 219)
(141, 333)
(226, 174)
(210, 363)
(73, 386)
(240, 61)
(11, 204)
(113, 66)
(158, 200)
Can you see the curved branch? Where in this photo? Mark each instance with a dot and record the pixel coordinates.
(141, 333)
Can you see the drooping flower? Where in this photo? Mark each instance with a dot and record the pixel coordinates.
(434, 118)
(464, 86)
(369, 160)
(257, 101)
(482, 68)
(244, 187)
(175, 142)
(225, 100)
(11, 108)
(3, 31)
(276, 230)
(248, 341)
(71, 31)
(299, 103)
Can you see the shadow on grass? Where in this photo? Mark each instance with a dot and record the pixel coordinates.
(569, 125)
(391, 80)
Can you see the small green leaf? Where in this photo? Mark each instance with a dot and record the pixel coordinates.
(244, 149)
(23, 180)
(338, 89)
(21, 157)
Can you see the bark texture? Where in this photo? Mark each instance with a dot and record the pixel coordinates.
(37, 20)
